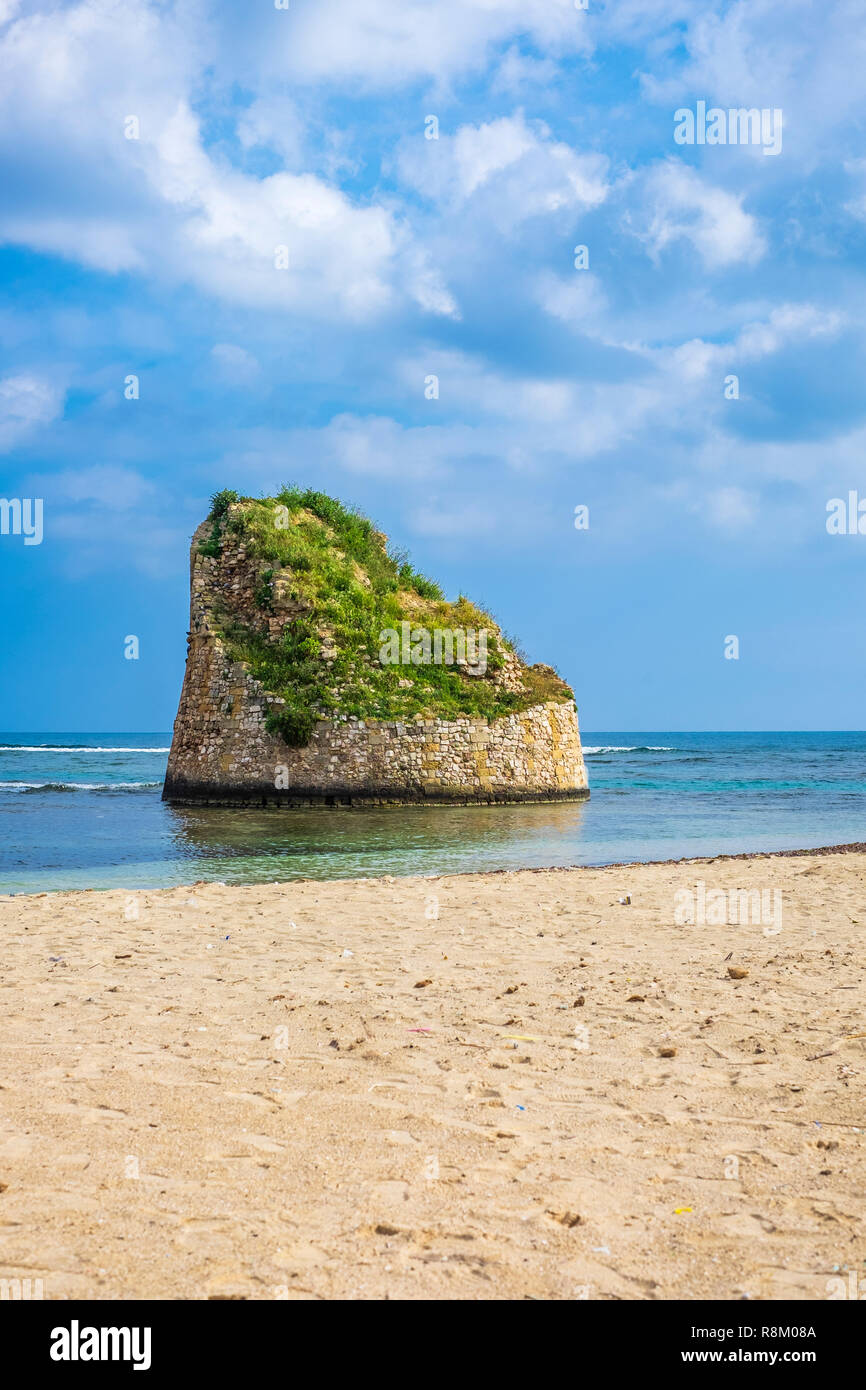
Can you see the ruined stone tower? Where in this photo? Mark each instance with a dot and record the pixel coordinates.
(321, 670)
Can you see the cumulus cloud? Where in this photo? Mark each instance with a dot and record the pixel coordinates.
(232, 231)
(161, 203)
(508, 169)
(685, 207)
(485, 150)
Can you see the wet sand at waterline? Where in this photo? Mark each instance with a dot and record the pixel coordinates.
(483, 1086)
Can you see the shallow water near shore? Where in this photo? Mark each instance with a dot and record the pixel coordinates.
(84, 811)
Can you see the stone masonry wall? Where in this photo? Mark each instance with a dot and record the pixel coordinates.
(221, 752)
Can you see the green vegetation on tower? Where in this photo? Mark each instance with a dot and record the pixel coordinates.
(346, 587)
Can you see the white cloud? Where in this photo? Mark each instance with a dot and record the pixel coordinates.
(273, 121)
(507, 169)
(577, 417)
(100, 243)
(786, 324)
(481, 151)
(526, 425)
(378, 43)
(784, 327)
(27, 403)
(379, 447)
(427, 285)
(518, 73)
(684, 207)
(338, 255)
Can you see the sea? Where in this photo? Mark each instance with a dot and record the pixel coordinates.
(85, 811)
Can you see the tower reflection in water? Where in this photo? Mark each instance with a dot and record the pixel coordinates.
(248, 845)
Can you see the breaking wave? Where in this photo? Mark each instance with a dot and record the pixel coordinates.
(631, 748)
(70, 748)
(77, 786)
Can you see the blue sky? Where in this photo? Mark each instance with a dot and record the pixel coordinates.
(410, 257)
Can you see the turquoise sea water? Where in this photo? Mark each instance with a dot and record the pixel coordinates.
(84, 811)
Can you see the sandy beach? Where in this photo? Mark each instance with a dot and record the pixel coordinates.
(485, 1086)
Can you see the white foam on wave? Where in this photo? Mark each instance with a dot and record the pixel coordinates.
(74, 786)
(631, 748)
(76, 748)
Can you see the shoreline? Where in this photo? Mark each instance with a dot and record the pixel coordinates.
(855, 847)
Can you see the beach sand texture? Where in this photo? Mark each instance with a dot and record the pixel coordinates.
(327, 1090)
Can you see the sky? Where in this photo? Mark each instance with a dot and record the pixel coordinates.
(238, 242)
